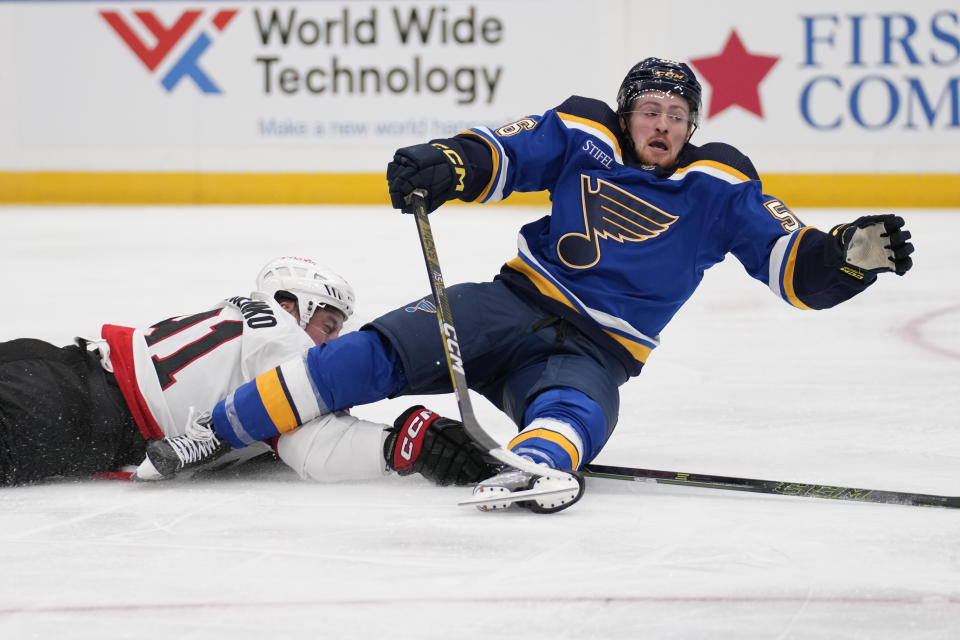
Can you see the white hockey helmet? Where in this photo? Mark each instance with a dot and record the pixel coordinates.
(313, 285)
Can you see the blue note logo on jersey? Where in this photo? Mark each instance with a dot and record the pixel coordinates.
(422, 305)
(609, 213)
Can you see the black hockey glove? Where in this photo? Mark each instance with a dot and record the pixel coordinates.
(437, 167)
(438, 448)
(870, 245)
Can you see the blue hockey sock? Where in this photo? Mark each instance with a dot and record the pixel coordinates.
(355, 369)
(565, 429)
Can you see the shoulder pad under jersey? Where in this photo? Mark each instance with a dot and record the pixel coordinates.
(592, 114)
(719, 152)
(590, 109)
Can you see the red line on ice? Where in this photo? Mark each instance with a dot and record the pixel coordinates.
(913, 332)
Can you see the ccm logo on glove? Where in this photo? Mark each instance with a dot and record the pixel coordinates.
(456, 161)
(412, 434)
(410, 447)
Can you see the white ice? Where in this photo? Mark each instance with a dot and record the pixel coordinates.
(865, 395)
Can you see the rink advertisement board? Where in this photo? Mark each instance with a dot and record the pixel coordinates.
(306, 101)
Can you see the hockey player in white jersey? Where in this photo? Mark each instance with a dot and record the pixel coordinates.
(638, 213)
(185, 363)
(90, 408)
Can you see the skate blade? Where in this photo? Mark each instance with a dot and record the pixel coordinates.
(509, 497)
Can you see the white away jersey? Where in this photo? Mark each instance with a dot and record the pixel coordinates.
(195, 360)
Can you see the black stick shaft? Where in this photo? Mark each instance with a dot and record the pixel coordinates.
(771, 486)
(447, 331)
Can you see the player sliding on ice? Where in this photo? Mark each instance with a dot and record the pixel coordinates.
(89, 408)
(638, 214)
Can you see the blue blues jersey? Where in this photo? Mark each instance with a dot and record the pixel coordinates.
(625, 246)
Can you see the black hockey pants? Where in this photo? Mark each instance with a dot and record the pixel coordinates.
(61, 415)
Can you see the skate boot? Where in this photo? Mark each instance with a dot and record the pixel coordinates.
(198, 446)
(554, 491)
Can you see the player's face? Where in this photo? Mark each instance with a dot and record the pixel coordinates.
(324, 325)
(659, 125)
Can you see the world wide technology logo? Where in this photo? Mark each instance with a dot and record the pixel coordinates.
(167, 37)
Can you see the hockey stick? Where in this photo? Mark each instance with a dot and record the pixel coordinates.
(776, 487)
(447, 331)
(458, 376)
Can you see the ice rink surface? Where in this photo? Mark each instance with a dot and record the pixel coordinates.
(864, 395)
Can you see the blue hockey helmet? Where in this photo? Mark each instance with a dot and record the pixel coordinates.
(659, 74)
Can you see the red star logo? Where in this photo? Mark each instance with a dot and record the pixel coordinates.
(735, 76)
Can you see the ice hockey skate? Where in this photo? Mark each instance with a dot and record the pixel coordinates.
(197, 447)
(548, 493)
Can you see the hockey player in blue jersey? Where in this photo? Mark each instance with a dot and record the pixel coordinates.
(638, 214)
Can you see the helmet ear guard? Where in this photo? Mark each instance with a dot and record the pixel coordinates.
(311, 284)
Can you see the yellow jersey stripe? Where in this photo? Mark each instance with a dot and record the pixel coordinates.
(638, 350)
(543, 285)
(495, 155)
(788, 272)
(712, 164)
(276, 401)
(596, 126)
